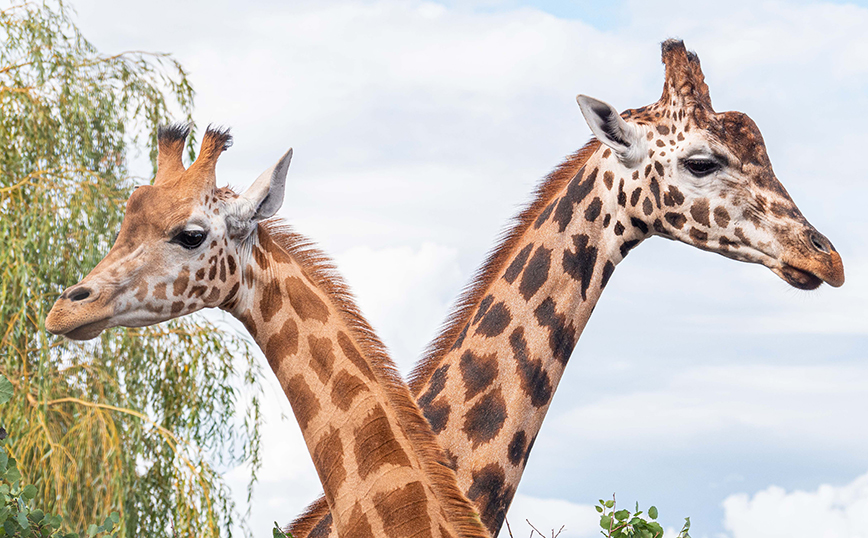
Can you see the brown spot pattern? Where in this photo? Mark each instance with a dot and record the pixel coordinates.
(354, 356)
(328, 457)
(515, 450)
(489, 492)
(322, 357)
(376, 444)
(345, 389)
(580, 264)
(402, 513)
(180, 284)
(484, 420)
(533, 377)
(721, 217)
(477, 372)
(305, 301)
(517, 264)
(593, 210)
(699, 211)
(562, 335)
(271, 301)
(303, 401)
(675, 219)
(494, 321)
(536, 273)
(357, 524)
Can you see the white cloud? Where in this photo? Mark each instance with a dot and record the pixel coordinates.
(827, 512)
(774, 404)
(414, 286)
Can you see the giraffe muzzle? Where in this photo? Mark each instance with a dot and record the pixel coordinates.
(77, 315)
(808, 272)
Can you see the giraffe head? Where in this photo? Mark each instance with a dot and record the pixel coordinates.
(181, 247)
(704, 178)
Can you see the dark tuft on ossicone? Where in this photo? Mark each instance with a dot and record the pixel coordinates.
(217, 138)
(174, 132)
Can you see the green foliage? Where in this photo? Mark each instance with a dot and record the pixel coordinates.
(136, 422)
(624, 524)
(277, 532)
(19, 517)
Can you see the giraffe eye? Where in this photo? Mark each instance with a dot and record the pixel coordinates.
(701, 167)
(189, 239)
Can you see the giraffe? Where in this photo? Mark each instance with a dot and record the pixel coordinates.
(674, 169)
(185, 244)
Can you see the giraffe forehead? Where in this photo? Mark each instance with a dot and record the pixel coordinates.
(741, 136)
(156, 211)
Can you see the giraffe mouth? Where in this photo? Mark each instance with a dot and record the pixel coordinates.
(87, 331)
(62, 323)
(799, 278)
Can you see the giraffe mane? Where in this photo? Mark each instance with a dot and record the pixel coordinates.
(322, 271)
(507, 241)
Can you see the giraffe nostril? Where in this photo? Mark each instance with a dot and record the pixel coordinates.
(820, 243)
(79, 295)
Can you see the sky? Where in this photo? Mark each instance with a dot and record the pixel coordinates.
(701, 385)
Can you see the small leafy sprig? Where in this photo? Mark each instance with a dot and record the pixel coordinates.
(277, 532)
(624, 524)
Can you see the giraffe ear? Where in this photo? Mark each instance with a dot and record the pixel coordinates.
(262, 199)
(611, 129)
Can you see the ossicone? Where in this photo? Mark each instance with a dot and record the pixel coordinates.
(170, 150)
(685, 83)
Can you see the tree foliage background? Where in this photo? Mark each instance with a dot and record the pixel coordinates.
(136, 421)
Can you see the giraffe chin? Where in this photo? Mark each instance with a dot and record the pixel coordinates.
(87, 331)
(798, 278)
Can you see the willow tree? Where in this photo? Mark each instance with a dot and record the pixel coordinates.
(139, 421)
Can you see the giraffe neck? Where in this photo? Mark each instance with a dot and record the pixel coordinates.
(382, 472)
(488, 388)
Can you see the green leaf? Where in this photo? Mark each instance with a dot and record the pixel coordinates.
(36, 516)
(22, 520)
(29, 492)
(55, 521)
(610, 503)
(276, 532)
(621, 515)
(6, 389)
(599, 509)
(92, 530)
(606, 522)
(115, 517)
(12, 475)
(652, 512)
